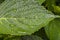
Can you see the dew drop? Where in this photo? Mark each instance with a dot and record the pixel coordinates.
(12, 25)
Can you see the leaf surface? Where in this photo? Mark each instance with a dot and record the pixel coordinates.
(41, 1)
(23, 17)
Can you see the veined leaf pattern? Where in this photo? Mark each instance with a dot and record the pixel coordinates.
(23, 17)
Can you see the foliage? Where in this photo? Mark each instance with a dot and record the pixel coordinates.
(53, 29)
(29, 20)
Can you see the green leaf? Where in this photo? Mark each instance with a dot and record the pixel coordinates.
(23, 17)
(56, 9)
(40, 1)
(53, 30)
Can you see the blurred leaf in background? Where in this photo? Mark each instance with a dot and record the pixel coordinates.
(53, 30)
(1, 1)
(41, 33)
(31, 37)
(53, 5)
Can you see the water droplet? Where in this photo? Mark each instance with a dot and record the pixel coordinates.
(12, 25)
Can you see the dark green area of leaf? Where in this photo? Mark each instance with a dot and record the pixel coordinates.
(41, 33)
(53, 5)
(27, 37)
(53, 29)
(1, 1)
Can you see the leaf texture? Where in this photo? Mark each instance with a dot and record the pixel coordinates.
(23, 17)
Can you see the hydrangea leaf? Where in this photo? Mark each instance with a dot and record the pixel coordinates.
(53, 30)
(23, 17)
(40, 1)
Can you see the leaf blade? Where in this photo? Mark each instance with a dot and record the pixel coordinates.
(53, 30)
(20, 17)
